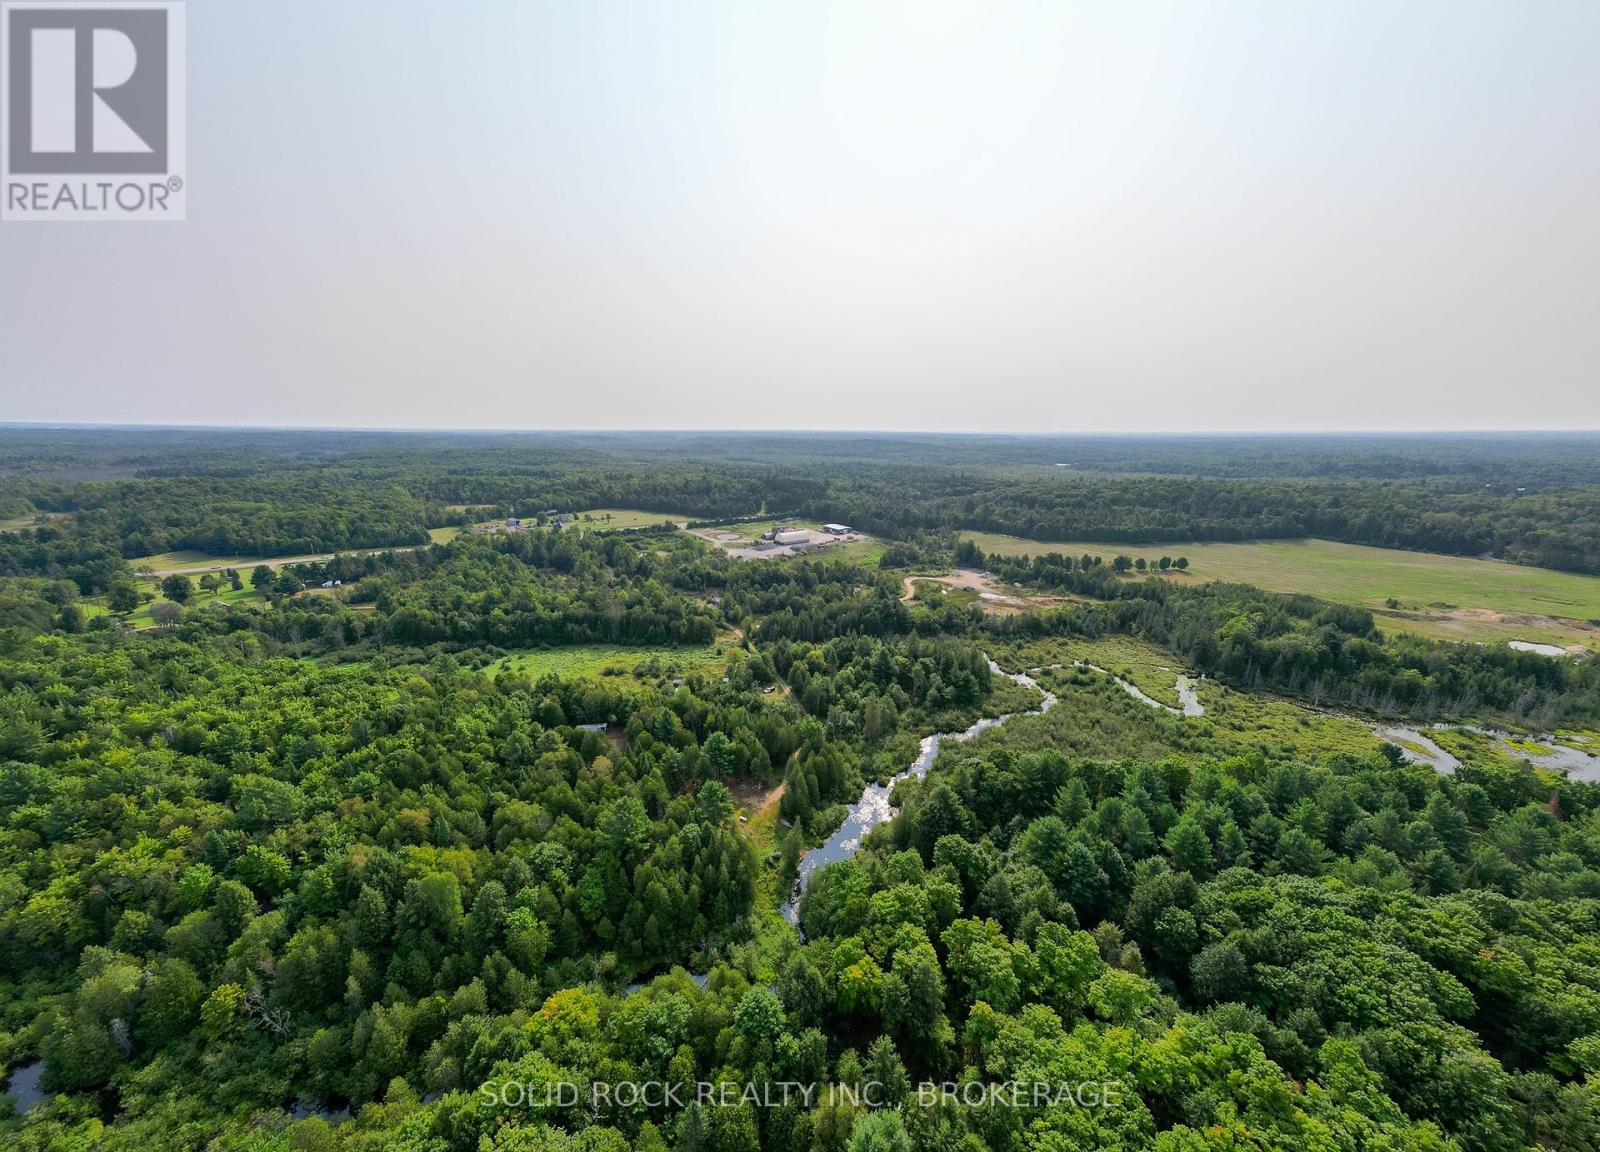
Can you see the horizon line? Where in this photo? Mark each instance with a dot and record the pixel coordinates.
(143, 426)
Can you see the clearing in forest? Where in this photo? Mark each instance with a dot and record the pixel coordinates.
(607, 519)
(1445, 597)
(614, 660)
(191, 563)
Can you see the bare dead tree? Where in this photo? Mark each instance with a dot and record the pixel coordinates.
(268, 1018)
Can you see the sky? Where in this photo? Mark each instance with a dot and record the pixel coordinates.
(1035, 217)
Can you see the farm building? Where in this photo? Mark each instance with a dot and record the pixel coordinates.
(792, 536)
(836, 529)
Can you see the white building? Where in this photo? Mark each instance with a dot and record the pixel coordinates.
(792, 536)
(837, 529)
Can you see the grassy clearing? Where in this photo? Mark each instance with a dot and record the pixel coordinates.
(936, 596)
(1450, 597)
(756, 803)
(866, 550)
(610, 518)
(1148, 668)
(1244, 722)
(1096, 719)
(1489, 626)
(33, 520)
(170, 561)
(196, 563)
(141, 618)
(613, 660)
(1468, 746)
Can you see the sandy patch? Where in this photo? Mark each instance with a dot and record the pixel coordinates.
(1485, 623)
(992, 598)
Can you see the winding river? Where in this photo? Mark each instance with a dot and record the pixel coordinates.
(1187, 689)
(1418, 749)
(874, 808)
(1542, 751)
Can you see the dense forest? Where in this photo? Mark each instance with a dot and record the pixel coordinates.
(1549, 528)
(357, 853)
(111, 494)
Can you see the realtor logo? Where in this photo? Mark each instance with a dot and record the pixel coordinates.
(93, 120)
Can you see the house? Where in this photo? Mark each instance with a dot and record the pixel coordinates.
(562, 519)
(836, 529)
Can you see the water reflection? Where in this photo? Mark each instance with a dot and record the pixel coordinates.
(874, 807)
(24, 1086)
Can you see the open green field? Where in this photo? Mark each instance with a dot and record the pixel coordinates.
(163, 563)
(140, 617)
(1447, 597)
(868, 550)
(605, 518)
(33, 520)
(185, 560)
(613, 660)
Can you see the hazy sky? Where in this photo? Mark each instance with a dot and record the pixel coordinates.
(987, 216)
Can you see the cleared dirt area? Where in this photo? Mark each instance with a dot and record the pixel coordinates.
(1489, 625)
(991, 596)
(757, 805)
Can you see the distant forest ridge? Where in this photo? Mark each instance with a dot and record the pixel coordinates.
(1518, 458)
(118, 494)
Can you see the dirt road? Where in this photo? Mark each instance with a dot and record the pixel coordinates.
(278, 561)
